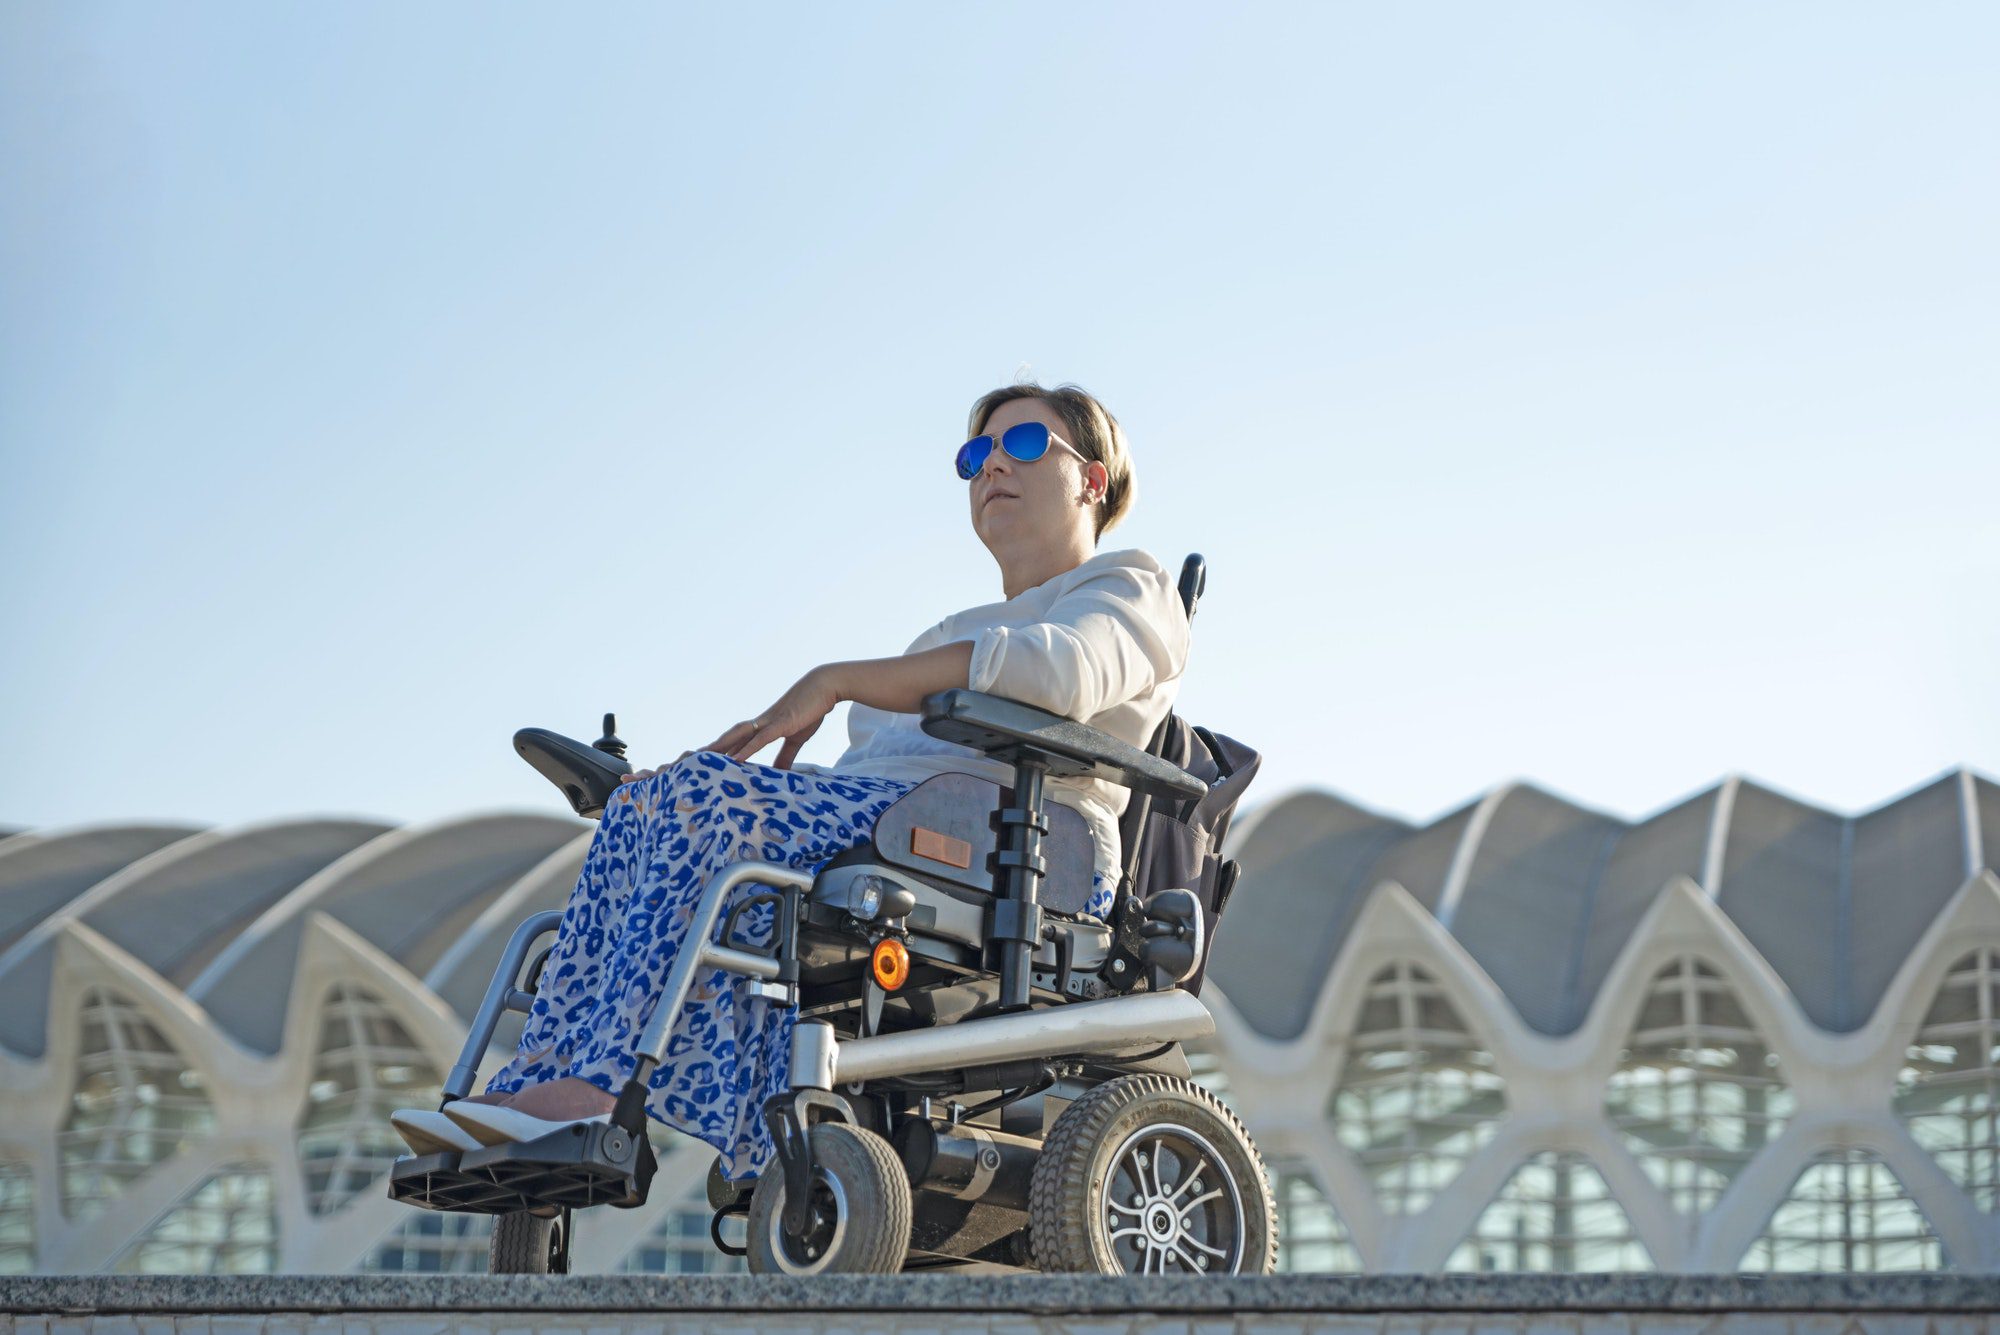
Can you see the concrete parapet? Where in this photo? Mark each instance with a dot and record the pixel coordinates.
(1003, 1305)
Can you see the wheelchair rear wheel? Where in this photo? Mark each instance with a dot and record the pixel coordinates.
(1151, 1175)
(527, 1244)
(860, 1215)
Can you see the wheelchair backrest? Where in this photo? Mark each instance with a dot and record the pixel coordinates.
(1171, 844)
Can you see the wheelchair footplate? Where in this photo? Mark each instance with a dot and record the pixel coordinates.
(585, 1164)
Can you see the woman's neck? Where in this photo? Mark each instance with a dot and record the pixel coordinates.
(1022, 571)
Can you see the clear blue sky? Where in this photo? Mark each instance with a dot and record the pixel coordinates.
(1603, 394)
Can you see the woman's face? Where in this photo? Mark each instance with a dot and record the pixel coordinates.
(1016, 504)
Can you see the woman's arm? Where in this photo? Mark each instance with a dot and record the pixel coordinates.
(897, 685)
(900, 684)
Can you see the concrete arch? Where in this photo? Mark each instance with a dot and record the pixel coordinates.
(1394, 926)
(1458, 1210)
(1729, 1233)
(1521, 894)
(171, 909)
(1470, 837)
(1971, 921)
(1650, 855)
(461, 973)
(1968, 815)
(1296, 902)
(1684, 921)
(409, 892)
(1783, 883)
(84, 962)
(41, 872)
(332, 955)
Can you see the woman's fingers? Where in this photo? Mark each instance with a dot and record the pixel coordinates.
(761, 736)
(789, 752)
(733, 738)
(793, 719)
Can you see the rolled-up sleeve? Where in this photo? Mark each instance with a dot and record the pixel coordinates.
(1105, 641)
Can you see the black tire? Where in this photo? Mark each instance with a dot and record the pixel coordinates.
(861, 1210)
(526, 1244)
(1090, 1184)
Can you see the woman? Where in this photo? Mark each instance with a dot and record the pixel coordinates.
(1099, 637)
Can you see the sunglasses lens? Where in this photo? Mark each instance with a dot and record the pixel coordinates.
(972, 456)
(1027, 442)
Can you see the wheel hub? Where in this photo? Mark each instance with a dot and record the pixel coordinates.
(1170, 1208)
(826, 1227)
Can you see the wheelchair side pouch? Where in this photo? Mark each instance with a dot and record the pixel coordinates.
(943, 828)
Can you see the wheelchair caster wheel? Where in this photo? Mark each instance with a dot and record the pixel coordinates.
(859, 1221)
(1151, 1175)
(528, 1244)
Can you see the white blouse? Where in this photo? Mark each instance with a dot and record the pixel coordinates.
(1105, 644)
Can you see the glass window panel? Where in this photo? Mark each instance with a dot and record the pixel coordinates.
(1948, 1092)
(1312, 1239)
(679, 1244)
(1697, 1094)
(135, 1103)
(1847, 1213)
(1417, 1096)
(1207, 1070)
(17, 1219)
(226, 1226)
(1554, 1214)
(435, 1243)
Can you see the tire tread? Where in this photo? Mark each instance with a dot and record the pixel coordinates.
(880, 1230)
(1058, 1237)
(519, 1244)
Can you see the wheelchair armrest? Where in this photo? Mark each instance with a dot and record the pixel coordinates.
(1008, 729)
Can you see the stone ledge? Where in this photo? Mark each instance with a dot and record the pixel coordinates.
(1034, 1295)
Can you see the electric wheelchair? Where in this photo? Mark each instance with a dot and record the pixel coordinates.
(980, 1071)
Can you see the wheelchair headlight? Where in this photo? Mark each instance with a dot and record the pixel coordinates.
(864, 897)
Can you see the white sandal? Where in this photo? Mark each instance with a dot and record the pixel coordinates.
(495, 1125)
(428, 1131)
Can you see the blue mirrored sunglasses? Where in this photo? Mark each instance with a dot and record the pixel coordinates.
(1026, 442)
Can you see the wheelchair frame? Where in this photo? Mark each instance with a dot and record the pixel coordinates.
(1037, 1048)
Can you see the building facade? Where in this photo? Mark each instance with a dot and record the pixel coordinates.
(1743, 1034)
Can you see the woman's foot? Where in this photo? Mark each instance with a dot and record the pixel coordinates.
(535, 1112)
(570, 1099)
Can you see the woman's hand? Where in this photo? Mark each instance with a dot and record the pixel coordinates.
(795, 718)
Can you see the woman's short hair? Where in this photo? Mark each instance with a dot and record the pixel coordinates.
(1091, 428)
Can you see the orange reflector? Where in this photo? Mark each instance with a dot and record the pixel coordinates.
(892, 963)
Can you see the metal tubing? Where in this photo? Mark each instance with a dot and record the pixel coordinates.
(1080, 1027)
(498, 993)
(1020, 875)
(813, 1049)
(741, 961)
(697, 950)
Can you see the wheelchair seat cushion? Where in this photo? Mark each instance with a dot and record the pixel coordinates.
(944, 829)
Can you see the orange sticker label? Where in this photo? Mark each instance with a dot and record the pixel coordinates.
(940, 847)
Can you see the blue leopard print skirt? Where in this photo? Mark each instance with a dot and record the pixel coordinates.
(659, 842)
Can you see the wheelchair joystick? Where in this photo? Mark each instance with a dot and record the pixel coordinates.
(610, 743)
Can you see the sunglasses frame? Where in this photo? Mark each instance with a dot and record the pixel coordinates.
(970, 469)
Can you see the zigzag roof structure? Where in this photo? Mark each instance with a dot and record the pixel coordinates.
(1713, 1037)
(1545, 894)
